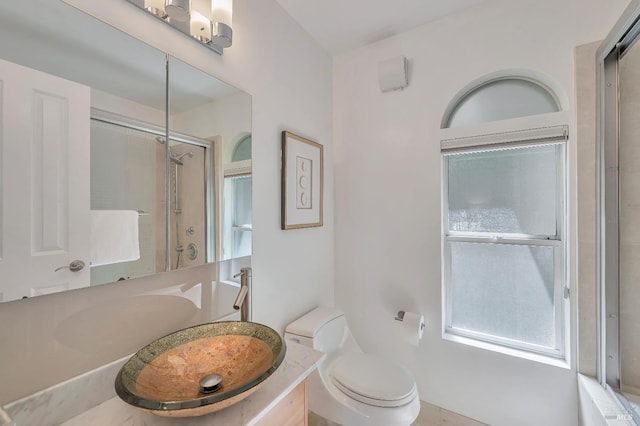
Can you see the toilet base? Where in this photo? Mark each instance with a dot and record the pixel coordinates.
(328, 402)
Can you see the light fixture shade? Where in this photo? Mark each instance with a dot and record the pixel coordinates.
(155, 6)
(221, 17)
(158, 4)
(193, 18)
(222, 11)
(178, 10)
(200, 26)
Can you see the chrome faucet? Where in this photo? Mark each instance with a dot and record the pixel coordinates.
(242, 302)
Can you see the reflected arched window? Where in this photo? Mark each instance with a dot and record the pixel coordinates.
(501, 99)
(243, 149)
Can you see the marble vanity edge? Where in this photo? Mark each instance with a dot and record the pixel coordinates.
(65, 400)
(318, 357)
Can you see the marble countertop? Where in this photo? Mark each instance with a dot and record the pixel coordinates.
(299, 362)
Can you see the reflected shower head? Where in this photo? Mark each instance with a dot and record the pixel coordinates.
(177, 159)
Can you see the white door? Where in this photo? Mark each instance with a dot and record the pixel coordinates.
(44, 182)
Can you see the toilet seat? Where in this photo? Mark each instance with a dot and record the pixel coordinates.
(373, 380)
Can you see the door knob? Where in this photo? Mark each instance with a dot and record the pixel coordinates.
(75, 266)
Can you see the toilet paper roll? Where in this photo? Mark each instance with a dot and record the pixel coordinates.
(412, 328)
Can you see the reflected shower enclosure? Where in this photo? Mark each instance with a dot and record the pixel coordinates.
(128, 173)
(188, 211)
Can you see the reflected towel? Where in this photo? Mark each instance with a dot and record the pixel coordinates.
(114, 236)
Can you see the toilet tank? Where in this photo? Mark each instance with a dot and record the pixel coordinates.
(323, 329)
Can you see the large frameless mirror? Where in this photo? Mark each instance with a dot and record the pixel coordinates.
(94, 187)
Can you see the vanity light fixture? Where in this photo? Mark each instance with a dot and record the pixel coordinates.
(221, 16)
(207, 21)
(178, 10)
(157, 7)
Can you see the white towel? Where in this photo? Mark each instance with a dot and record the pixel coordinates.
(114, 236)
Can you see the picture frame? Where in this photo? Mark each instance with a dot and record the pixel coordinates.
(302, 182)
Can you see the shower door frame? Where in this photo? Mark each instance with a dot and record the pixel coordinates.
(211, 153)
(621, 38)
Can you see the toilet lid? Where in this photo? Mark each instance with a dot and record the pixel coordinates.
(374, 380)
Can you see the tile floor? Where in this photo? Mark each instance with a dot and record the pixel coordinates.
(430, 415)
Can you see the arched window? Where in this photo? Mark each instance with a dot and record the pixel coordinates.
(243, 149)
(504, 215)
(501, 99)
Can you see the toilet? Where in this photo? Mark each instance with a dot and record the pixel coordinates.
(349, 387)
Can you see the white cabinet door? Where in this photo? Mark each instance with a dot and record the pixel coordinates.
(44, 182)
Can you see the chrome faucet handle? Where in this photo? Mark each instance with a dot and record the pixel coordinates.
(243, 272)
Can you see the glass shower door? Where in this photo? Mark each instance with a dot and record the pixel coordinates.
(629, 223)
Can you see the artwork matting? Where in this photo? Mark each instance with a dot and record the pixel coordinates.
(302, 182)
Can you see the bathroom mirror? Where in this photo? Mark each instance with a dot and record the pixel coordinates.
(95, 140)
(219, 116)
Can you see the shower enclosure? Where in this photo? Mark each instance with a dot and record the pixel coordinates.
(619, 233)
(128, 173)
(187, 212)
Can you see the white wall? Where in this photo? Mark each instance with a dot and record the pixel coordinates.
(289, 77)
(387, 168)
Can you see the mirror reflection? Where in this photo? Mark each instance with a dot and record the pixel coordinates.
(126, 177)
(207, 109)
(106, 190)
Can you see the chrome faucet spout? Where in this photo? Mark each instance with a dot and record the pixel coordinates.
(242, 294)
(242, 301)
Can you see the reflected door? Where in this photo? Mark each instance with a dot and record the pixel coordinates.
(44, 122)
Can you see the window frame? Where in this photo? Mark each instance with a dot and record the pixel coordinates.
(234, 170)
(231, 226)
(559, 242)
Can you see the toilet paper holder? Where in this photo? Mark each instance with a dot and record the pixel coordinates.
(400, 316)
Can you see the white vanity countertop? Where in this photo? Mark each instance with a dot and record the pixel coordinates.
(299, 362)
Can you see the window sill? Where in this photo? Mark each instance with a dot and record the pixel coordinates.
(543, 359)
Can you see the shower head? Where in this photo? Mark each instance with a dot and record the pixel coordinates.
(190, 154)
(177, 159)
(174, 158)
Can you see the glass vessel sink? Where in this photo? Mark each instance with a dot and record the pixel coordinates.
(200, 369)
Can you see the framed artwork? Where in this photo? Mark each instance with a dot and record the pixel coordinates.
(302, 182)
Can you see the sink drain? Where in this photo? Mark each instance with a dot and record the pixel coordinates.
(210, 383)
